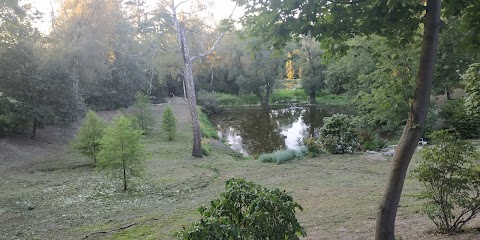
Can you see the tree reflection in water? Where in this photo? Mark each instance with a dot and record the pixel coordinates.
(256, 131)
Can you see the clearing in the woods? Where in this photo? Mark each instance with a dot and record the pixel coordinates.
(49, 191)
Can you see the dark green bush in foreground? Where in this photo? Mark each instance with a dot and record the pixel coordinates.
(247, 211)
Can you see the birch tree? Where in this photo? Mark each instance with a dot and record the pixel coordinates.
(179, 20)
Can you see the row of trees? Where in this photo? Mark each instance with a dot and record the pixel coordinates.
(116, 148)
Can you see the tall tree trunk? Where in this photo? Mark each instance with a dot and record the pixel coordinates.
(188, 83)
(312, 96)
(385, 229)
(124, 176)
(34, 127)
(268, 92)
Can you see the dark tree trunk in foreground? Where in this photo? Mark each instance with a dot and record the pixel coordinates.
(385, 229)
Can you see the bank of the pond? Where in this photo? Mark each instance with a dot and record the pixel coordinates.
(254, 131)
(49, 191)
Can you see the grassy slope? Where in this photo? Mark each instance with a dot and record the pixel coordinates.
(71, 200)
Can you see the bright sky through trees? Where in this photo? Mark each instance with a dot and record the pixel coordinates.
(221, 9)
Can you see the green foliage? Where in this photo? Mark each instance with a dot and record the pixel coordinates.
(313, 146)
(452, 59)
(207, 128)
(369, 140)
(338, 134)
(208, 102)
(247, 99)
(227, 99)
(206, 147)
(456, 117)
(169, 123)
(120, 155)
(282, 156)
(247, 211)
(142, 113)
(261, 69)
(89, 136)
(284, 95)
(451, 175)
(472, 87)
(312, 69)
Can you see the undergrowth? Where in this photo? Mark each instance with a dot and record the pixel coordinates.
(282, 156)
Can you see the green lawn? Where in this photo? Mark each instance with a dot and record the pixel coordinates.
(72, 200)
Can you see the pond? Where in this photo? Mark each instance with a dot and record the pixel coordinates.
(255, 131)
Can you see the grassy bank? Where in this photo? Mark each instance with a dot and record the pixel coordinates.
(278, 97)
(61, 196)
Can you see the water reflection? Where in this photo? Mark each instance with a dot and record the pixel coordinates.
(256, 131)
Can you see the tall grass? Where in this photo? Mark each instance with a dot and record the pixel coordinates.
(332, 99)
(279, 96)
(207, 128)
(225, 99)
(282, 156)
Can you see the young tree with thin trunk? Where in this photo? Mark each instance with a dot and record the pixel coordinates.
(169, 126)
(120, 155)
(143, 113)
(89, 135)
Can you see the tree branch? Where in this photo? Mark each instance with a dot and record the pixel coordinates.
(215, 43)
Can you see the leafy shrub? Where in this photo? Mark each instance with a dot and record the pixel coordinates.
(282, 156)
(338, 134)
(142, 113)
(169, 125)
(450, 173)
(312, 146)
(455, 115)
(11, 119)
(88, 138)
(208, 102)
(247, 211)
(471, 79)
(369, 140)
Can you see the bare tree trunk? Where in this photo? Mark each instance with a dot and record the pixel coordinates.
(34, 127)
(188, 74)
(385, 229)
(312, 96)
(124, 176)
(188, 83)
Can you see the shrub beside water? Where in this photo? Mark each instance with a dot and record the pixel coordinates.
(282, 156)
(338, 134)
(208, 102)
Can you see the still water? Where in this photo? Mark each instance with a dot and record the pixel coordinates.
(256, 131)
